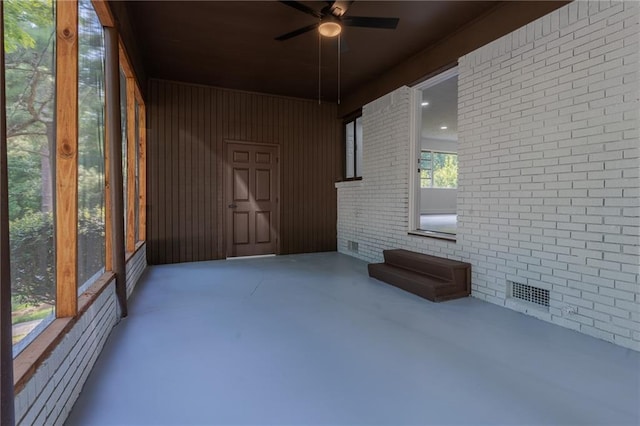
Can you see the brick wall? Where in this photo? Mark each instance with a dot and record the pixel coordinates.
(135, 267)
(548, 180)
(50, 394)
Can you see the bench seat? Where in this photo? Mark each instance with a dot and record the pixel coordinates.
(431, 277)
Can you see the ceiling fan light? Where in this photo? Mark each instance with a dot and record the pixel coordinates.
(329, 29)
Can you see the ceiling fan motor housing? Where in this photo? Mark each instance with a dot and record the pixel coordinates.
(332, 19)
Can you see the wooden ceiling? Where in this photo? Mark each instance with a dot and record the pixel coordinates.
(231, 44)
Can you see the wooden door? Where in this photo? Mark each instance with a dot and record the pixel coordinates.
(251, 199)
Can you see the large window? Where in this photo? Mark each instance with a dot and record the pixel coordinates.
(137, 174)
(438, 169)
(91, 184)
(51, 263)
(353, 148)
(30, 98)
(123, 121)
(132, 108)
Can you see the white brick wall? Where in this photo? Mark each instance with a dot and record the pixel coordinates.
(49, 396)
(549, 129)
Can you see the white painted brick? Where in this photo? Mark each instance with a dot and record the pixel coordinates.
(548, 155)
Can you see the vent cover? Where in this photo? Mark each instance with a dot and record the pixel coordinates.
(352, 246)
(531, 294)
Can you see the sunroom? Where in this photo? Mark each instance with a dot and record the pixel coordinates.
(191, 193)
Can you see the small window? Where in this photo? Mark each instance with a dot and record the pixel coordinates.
(353, 148)
(438, 169)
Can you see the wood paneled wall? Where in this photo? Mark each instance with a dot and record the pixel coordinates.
(188, 128)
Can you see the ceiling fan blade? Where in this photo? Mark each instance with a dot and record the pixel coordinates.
(366, 22)
(302, 8)
(297, 32)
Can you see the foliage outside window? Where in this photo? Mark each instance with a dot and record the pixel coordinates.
(438, 169)
(30, 35)
(425, 169)
(29, 31)
(91, 184)
(353, 148)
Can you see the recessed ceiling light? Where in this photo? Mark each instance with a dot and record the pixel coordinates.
(443, 127)
(425, 103)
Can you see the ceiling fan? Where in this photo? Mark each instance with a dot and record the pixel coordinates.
(332, 19)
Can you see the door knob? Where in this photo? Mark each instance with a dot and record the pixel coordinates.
(233, 206)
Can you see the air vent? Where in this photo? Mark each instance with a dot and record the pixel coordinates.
(531, 294)
(352, 246)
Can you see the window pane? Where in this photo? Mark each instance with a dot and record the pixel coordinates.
(123, 121)
(137, 205)
(425, 179)
(359, 146)
(91, 220)
(349, 142)
(425, 169)
(445, 170)
(30, 95)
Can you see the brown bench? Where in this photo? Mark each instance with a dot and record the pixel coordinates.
(431, 277)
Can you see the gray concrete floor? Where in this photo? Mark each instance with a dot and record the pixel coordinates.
(311, 339)
(446, 223)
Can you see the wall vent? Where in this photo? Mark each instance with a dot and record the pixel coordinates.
(528, 293)
(352, 246)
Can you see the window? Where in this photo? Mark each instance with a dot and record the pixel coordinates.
(123, 123)
(137, 174)
(132, 109)
(91, 184)
(56, 189)
(425, 169)
(434, 147)
(353, 146)
(438, 169)
(31, 132)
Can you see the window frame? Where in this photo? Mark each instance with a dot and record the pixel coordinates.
(347, 120)
(135, 212)
(415, 147)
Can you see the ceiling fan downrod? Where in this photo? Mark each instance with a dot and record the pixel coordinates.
(339, 36)
(319, 67)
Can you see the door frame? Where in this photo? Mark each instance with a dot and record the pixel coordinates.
(225, 177)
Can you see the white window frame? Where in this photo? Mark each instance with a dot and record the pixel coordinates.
(415, 147)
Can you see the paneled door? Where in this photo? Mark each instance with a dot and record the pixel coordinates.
(251, 199)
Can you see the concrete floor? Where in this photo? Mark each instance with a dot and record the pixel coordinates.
(445, 223)
(311, 339)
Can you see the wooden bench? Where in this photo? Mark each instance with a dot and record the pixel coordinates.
(434, 278)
